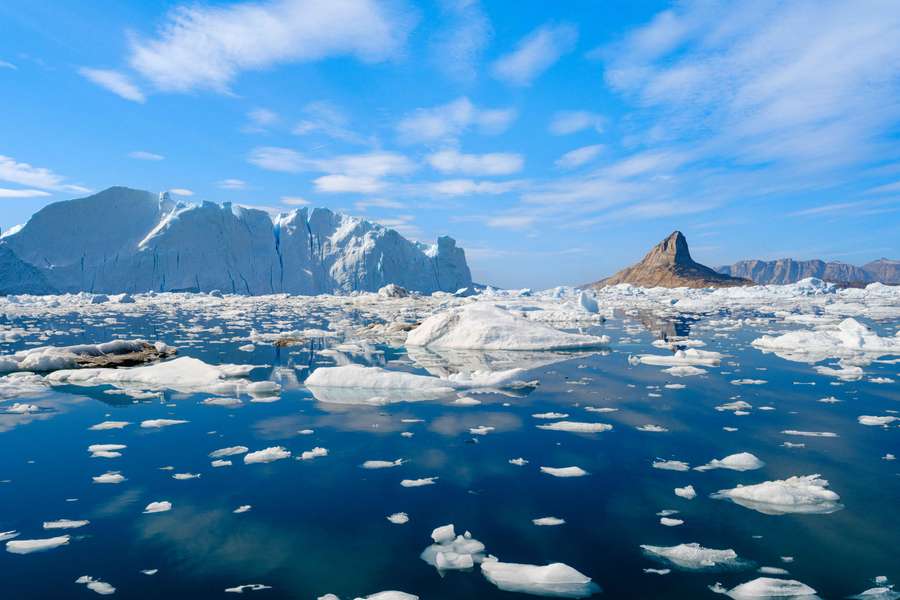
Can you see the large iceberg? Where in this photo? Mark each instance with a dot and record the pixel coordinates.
(557, 579)
(484, 326)
(800, 494)
(125, 240)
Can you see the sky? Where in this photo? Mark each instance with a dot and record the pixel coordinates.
(556, 141)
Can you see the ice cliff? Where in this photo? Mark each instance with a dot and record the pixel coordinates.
(125, 240)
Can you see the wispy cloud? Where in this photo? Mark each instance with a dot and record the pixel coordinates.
(579, 156)
(448, 121)
(207, 47)
(536, 53)
(115, 81)
(23, 193)
(495, 163)
(22, 173)
(565, 122)
(144, 155)
(457, 47)
(329, 120)
(232, 184)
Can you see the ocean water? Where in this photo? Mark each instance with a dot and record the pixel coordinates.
(319, 526)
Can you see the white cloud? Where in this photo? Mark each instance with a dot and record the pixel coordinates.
(272, 158)
(448, 121)
(348, 183)
(515, 222)
(21, 173)
(461, 39)
(469, 187)
(295, 201)
(363, 205)
(143, 155)
(209, 46)
(10, 193)
(565, 122)
(181, 192)
(7, 65)
(116, 82)
(579, 156)
(327, 119)
(536, 53)
(497, 163)
(259, 120)
(232, 184)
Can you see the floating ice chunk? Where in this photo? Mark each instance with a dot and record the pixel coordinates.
(8, 535)
(19, 408)
(600, 409)
(316, 452)
(849, 338)
(822, 434)
(687, 492)
(95, 585)
(519, 462)
(684, 371)
(845, 373)
(267, 455)
(737, 405)
(481, 430)
(652, 428)
(671, 465)
(220, 463)
(29, 546)
(398, 518)
(116, 352)
(670, 522)
(382, 464)
(748, 382)
(421, 387)
(109, 425)
(564, 471)
(881, 380)
(452, 552)
(799, 494)
(242, 509)
(877, 421)
(65, 524)
(548, 521)
(185, 476)
(767, 587)
(247, 348)
(109, 477)
(466, 401)
(158, 507)
(576, 427)
(772, 571)
(222, 401)
(185, 374)
(658, 571)
(248, 587)
(674, 386)
(690, 357)
(229, 451)
(557, 579)
(150, 571)
(389, 595)
(742, 461)
(550, 415)
(408, 483)
(694, 557)
(483, 326)
(158, 423)
(106, 450)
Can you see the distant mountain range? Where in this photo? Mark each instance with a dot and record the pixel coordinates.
(788, 270)
(126, 240)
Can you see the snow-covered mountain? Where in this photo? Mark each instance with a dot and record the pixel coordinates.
(125, 240)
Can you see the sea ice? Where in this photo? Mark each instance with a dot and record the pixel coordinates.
(158, 507)
(576, 427)
(742, 461)
(800, 494)
(267, 455)
(29, 546)
(564, 471)
(557, 579)
(694, 557)
(95, 585)
(768, 587)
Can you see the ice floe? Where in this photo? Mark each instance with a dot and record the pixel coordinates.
(19, 546)
(564, 471)
(557, 579)
(742, 461)
(768, 587)
(807, 494)
(158, 507)
(694, 557)
(452, 552)
(267, 455)
(95, 585)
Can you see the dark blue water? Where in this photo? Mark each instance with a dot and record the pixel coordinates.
(319, 526)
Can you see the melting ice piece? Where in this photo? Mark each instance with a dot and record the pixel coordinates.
(248, 587)
(109, 425)
(95, 585)
(382, 464)
(690, 357)
(687, 492)
(157, 423)
(876, 421)
(65, 524)
(519, 462)
(109, 477)
(694, 557)
(576, 427)
(452, 552)
(408, 483)
(548, 521)
(742, 461)
(267, 455)
(768, 587)
(671, 465)
(398, 518)
(483, 326)
(564, 471)
(158, 507)
(229, 451)
(106, 450)
(29, 546)
(556, 580)
(317, 452)
(799, 494)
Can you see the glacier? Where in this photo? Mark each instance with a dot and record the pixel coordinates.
(126, 240)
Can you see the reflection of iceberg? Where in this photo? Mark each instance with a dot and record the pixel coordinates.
(443, 362)
(370, 397)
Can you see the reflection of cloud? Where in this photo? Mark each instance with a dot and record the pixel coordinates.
(50, 404)
(278, 428)
(451, 425)
(117, 504)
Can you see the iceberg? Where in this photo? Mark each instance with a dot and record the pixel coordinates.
(694, 557)
(742, 461)
(557, 580)
(126, 240)
(800, 494)
(768, 587)
(484, 326)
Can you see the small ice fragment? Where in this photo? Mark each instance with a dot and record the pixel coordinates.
(29, 546)
(157, 423)
(694, 557)
(519, 462)
(564, 471)
(109, 477)
(550, 415)
(158, 507)
(742, 461)
(230, 451)
(481, 430)
(671, 465)
(548, 521)
(185, 476)
(65, 524)
(651, 428)
(109, 425)
(220, 463)
(556, 579)
(576, 427)
(408, 483)
(877, 421)
(242, 509)
(398, 518)
(382, 464)
(687, 492)
(267, 455)
(95, 585)
(670, 522)
(767, 587)
(248, 587)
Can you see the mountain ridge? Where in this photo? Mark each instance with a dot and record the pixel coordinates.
(669, 264)
(127, 240)
(788, 270)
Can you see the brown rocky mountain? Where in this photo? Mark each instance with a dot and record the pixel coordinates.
(669, 264)
(788, 270)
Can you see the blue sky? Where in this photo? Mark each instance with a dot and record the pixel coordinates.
(556, 141)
